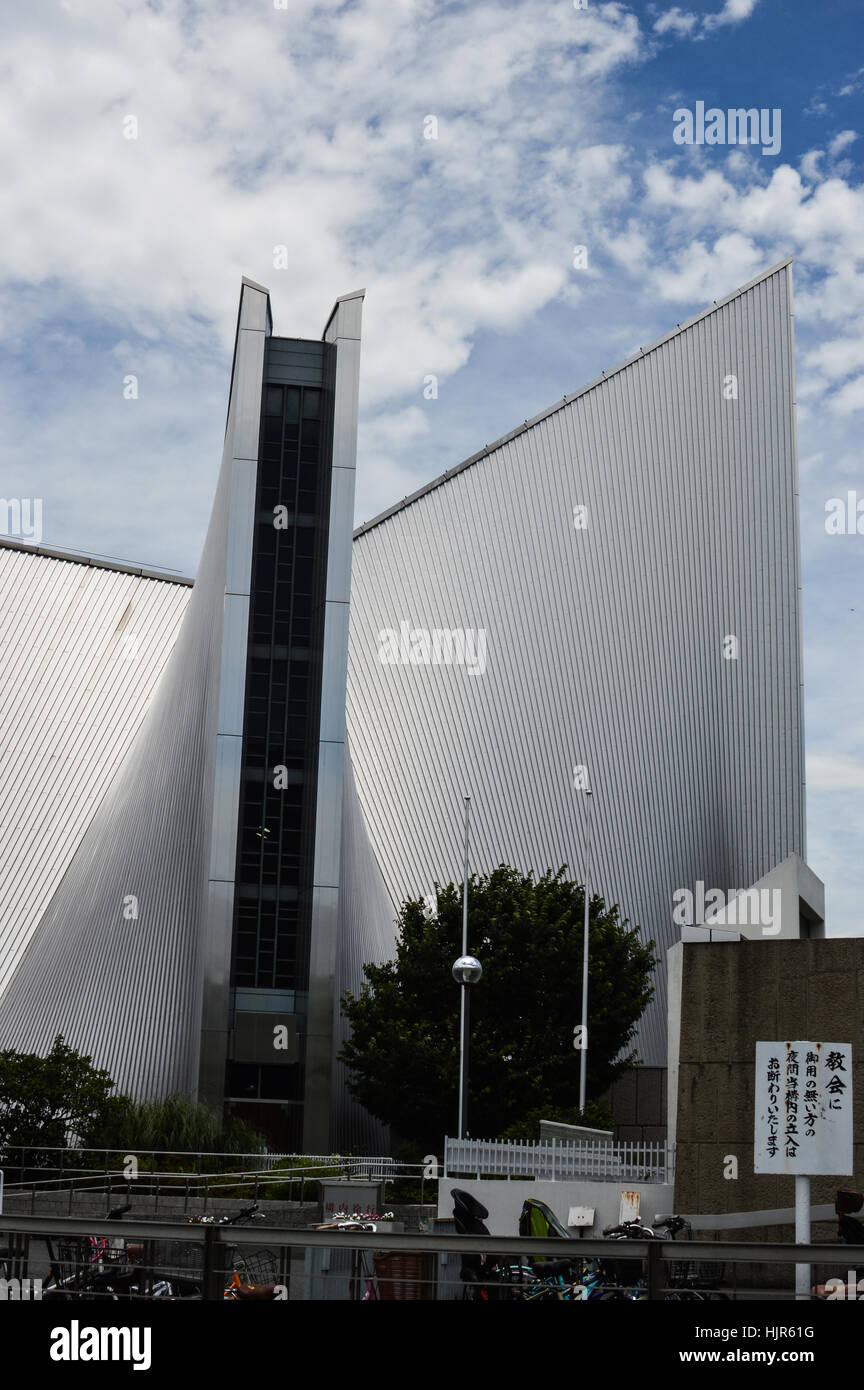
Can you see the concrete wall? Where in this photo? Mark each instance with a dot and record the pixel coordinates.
(732, 995)
(504, 1197)
(638, 1104)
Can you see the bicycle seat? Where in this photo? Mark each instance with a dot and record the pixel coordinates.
(550, 1268)
(259, 1292)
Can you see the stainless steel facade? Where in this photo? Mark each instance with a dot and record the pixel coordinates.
(606, 643)
(231, 530)
(342, 330)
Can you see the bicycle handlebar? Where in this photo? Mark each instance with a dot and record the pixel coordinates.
(671, 1223)
(633, 1230)
(242, 1215)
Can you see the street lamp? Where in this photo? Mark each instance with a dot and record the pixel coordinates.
(466, 972)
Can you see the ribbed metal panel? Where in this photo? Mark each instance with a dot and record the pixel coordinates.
(366, 925)
(604, 645)
(82, 648)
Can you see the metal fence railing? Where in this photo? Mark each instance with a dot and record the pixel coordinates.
(42, 1173)
(388, 1265)
(557, 1161)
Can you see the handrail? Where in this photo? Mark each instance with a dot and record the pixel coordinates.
(750, 1252)
(654, 1252)
(755, 1252)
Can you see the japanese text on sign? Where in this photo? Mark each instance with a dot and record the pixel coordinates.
(803, 1108)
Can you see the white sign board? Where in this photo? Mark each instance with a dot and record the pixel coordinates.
(628, 1207)
(803, 1108)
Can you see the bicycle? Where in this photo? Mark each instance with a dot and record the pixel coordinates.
(686, 1280)
(254, 1272)
(90, 1267)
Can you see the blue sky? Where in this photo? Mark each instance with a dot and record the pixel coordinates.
(303, 127)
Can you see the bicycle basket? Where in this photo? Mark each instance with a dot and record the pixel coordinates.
(257, 1267)
(177, 1257)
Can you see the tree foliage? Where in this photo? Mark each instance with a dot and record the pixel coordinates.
(176, 1124)
(50, 1101)
(403, 1053)
(61, 1100)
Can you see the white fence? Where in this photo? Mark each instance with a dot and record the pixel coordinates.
(556, 1161)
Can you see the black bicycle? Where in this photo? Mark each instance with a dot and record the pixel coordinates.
(687, 1280)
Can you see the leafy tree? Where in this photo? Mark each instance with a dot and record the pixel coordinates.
(60, 1100)
(403, 1053)
(46, 1102)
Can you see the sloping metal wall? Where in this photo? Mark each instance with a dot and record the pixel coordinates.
(605, 644)
(82, 649)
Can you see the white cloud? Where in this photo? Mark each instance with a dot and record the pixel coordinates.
(679, 21)
(849, 399)
(836, 358)
(834, 773)
(265, 128)
(841, 142)
(809, 165)
(733, 12)
(684, 22)
(704, 273)
(853, 85)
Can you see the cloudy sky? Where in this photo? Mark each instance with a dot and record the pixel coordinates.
(154, 153)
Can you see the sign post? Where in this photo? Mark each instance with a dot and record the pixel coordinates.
(803, 1122)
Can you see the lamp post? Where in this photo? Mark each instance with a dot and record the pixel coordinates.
(583, 1055)
(466, 972)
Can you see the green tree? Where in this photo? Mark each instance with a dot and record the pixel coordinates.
(46, 1102)
(403, 1053)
